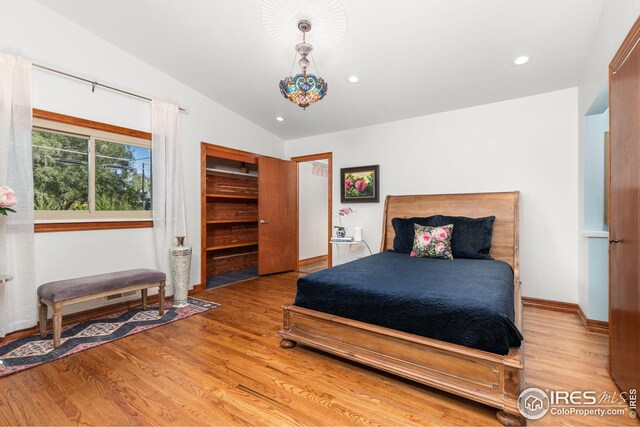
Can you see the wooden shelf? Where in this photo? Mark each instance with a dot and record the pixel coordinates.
(232, 245)
(234, 255)
(233, 196)
(230, 173)
(232, 221)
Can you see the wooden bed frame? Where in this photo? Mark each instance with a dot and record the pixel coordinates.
(488, 378)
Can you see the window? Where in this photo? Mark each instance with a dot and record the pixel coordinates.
(123, 177)
(60, 171)
(83, 173)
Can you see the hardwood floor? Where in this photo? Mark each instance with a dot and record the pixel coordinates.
(226, 367)
(313, 267)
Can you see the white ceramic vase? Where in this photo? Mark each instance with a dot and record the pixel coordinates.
(180, 268)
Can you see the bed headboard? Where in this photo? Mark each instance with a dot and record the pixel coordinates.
(504, 206)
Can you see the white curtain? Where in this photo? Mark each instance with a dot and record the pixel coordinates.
(168, 205)
(17, 298)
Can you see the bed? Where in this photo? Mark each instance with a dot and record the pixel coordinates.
(397, 325)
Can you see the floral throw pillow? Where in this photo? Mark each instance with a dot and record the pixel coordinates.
(432, 242)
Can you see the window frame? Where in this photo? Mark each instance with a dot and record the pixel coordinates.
(92, 131)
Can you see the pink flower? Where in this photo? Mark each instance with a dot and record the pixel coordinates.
(439, 234)
(8, 197)
(347, 183)
(360, 185)
(345, 211)
(424, 238)
(413, 254)
(440, 247)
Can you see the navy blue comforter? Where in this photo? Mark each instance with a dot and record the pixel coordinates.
(464, 301)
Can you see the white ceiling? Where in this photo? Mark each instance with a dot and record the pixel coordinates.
(413, 57)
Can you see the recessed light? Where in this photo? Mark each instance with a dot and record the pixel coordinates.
(353, 79)
(521, 60)
(280, 119)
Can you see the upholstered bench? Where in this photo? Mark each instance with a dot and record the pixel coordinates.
(72, 291)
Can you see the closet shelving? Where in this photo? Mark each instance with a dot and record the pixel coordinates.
(231, 218)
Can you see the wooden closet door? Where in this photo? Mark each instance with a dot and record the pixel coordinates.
(624, 279)
(278, 216)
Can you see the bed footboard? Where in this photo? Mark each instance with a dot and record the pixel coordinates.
(484, 377)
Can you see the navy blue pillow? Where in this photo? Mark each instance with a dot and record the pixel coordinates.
(471, 236)
(403, 242)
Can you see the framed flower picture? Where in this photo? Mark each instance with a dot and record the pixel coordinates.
(360, 184)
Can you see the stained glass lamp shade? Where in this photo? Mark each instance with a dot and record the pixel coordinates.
(303, 89)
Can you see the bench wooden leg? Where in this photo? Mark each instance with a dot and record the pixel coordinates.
(144, 298)
(57, 323)
(43, 319)
(161, 303)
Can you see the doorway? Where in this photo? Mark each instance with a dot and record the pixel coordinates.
(314, 212)
(248, 211)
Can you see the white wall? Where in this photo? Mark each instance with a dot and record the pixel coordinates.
(528, 144)
(617, 19)
(30, 30)
(595, 126)
(312, 211)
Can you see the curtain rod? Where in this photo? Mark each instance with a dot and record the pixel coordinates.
(96, 83)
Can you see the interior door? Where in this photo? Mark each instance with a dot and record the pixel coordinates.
(624, 304)
(277, 213)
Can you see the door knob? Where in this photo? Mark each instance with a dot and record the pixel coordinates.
(262, 221)
(613, 241)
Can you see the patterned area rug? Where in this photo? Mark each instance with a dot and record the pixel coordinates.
(27, 352)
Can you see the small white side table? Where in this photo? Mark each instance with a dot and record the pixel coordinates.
(349, 244)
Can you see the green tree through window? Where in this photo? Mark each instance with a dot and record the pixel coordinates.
(123, 177)
(63, 172)
(60, 171)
